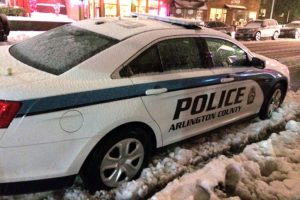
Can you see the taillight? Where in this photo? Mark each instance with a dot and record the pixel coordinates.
(8, 110)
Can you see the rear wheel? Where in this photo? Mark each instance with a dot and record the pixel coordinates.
(275, 36)
(117, 159)
(297, 35)
(273, 102)
(257, 36)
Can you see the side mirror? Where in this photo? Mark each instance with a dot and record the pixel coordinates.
(258, 63)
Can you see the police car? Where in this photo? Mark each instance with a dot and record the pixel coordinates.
(97, 97)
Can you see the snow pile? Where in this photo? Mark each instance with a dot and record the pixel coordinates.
(266, 170)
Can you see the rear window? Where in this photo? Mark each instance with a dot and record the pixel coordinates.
(60, 49)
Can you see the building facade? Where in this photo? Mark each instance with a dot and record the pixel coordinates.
(233, 12)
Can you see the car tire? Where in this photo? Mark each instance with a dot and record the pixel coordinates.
(257, 36)
(4, 21)
(275, 36)
(272, 102)
(107, 166)
(297, 35)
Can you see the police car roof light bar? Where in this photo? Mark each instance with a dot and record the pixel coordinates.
(188, 23)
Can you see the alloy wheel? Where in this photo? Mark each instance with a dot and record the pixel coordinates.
(275, 101)
(122, 162)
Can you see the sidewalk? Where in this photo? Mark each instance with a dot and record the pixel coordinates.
(38, 22)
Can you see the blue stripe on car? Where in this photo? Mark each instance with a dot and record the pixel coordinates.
(80, 99)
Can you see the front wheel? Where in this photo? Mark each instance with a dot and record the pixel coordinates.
(117, 159)
(257, 36)
(275, 36)
(297, 35)
(273, 102)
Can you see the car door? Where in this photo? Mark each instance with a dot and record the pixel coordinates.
(176, 79)
(239, 82)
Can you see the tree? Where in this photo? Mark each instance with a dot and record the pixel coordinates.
(287, 10)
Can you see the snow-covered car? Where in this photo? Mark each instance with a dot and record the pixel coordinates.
(291, 30)
(258, 29)
(97, 97)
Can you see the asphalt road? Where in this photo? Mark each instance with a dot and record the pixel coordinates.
(286, 51)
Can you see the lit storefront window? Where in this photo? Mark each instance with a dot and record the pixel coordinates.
(252, 15)
(140, 6)
(153, 7)
(218, 14)
(110, 7)
(125, 7)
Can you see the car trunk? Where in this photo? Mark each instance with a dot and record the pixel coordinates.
(14, 72)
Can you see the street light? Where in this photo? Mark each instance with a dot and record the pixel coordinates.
(272, 9)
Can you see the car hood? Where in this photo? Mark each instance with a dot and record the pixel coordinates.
(14, 72)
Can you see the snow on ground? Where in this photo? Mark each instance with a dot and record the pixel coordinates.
(199, 169)
(266, 170)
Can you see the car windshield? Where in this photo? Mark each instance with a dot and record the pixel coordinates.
(60, 49)
(293, 25)
(254, 24)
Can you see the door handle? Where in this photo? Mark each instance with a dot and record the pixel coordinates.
(227, 80)
(156, 91)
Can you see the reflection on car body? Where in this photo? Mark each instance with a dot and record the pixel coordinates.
(104, 94)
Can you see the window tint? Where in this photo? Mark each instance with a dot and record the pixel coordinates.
(179, 54)
(226, 54)
(169, 55)
(211, 24)
(147, 62)
(60, 49)
(220, 24)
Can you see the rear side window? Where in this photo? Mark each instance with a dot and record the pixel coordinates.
(58, 50)
(165, 56)
(147, 62)
(179, 54)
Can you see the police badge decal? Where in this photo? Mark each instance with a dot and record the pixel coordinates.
(251, 96)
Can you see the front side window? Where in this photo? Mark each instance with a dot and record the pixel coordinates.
(226, 54)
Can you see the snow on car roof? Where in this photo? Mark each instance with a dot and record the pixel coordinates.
(121, 28)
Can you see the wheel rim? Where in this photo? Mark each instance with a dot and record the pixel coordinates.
(276, 34)
(296, 35)
(275, 102)
(122, 162)
(257, 36)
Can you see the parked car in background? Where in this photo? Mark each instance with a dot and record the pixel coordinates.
(291, 30)
(4, 27)
(258, 29)
(220, 26)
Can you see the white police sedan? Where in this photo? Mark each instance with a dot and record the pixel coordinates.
(97, 97)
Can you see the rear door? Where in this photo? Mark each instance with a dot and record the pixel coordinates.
(241, 94)
(177, 82)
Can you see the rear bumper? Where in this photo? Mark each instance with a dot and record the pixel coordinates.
(41, 167)
(36, 186)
